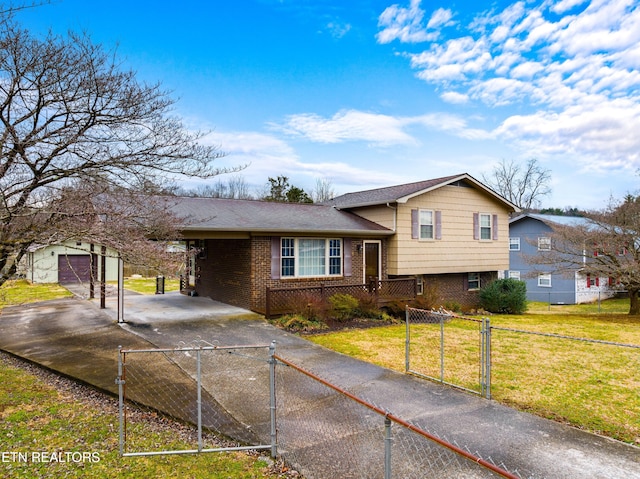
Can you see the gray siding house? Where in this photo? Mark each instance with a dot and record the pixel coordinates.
(529, 235)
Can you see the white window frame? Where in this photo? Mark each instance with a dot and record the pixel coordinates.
(514, 274)
(429, 222)
(514, 243)
(287, 246)
(544, 243)
(484, 228)
(544, 280)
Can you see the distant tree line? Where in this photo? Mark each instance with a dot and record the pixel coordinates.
(277, 189)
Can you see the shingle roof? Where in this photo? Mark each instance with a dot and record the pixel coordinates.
(402, 193)
(228, 215)
(556, 219)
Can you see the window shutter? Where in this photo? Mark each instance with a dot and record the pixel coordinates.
(346, 245)
(588, 281)
(275, 257)
(438, 225)
(476, 226)
(598, 281)
(495, 227)
(415, 226)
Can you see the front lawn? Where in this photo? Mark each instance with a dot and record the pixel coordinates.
(591, 386)
(52, 427)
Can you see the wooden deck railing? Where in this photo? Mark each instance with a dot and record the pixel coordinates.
(281, 301)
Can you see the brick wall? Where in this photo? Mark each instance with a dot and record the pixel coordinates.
(225, 272)
(453, 288)
(261, 271)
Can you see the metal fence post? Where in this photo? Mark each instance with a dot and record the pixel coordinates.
(272, 398)
(406, 341)
(120, 383)
(387, 448)
(199, 401)
(441, 348)
(486, 357)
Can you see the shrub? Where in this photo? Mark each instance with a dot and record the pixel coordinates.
(298, 323)
(368, 306)
(507, 296)
(343, 306)
(308, 305)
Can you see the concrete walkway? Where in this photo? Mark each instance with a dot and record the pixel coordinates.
(76, 338)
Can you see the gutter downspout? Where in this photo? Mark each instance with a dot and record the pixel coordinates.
(395, 216)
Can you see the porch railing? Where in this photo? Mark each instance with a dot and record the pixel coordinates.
(281, 301)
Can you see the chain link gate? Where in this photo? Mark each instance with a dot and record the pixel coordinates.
(172, 381)
(437, 348)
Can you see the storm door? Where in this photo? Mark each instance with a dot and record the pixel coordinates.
(371, 261)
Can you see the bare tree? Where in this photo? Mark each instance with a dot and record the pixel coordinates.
(523, 185)
(235, 187)
(606, 244)
(71, 119)
(323, 191)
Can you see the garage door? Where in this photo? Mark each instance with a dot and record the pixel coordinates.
(74, 268)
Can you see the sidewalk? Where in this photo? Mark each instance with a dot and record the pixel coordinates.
(76, 338)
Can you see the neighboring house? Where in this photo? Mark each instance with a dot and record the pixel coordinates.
(70, 262)
(451, 233)
(529, 235)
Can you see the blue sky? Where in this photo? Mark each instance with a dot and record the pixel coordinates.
(374, 93)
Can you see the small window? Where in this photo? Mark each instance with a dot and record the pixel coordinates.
(544, 244)
(474, 281)
(514, 274)
(544, 280)
(420, 285)
(485, 226)
(426, 224)
(514, 244)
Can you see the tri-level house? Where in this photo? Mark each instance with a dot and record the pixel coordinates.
(530, 235)
(449, 234)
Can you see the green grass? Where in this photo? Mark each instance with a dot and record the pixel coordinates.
(21, 291)
(38, 418)
(148, 285)
(591, 386)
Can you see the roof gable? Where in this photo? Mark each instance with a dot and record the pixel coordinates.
(403, 193)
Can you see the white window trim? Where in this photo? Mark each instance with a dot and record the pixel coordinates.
(514, 274)
(327, 262)
(490, 227)
(514, 241)
(432, 224)
(544, 243)
(542, 277)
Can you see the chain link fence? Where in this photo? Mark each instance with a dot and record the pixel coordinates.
(449, 349)
(479, 357)
(203, 385)
(263, 401)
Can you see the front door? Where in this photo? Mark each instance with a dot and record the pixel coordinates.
(371, 261)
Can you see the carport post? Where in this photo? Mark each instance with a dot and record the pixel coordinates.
(120, 289)
(272, 397)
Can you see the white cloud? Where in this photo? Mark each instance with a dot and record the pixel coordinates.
(405, 24)
(455, 97)
(573, 65)
(376, 129)
(347, 125)
(268, 156)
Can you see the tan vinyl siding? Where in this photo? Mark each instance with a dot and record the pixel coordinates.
(382, 214)
(457, 251)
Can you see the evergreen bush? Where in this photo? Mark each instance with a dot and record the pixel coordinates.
(505, 296)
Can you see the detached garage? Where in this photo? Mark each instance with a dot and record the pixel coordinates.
(66, 263)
